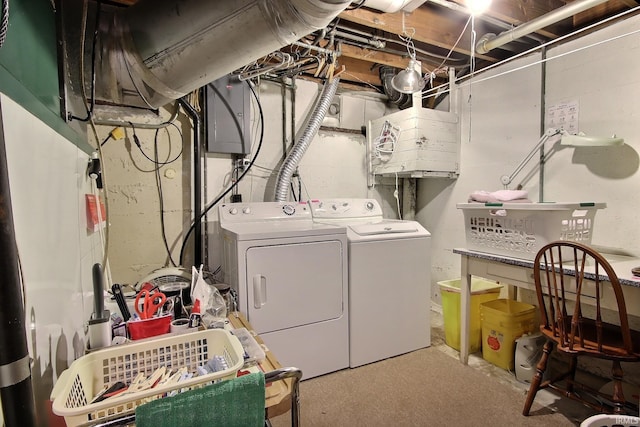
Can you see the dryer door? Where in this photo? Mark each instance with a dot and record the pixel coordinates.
(292, 285)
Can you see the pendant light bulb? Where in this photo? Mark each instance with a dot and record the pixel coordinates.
(409, 80)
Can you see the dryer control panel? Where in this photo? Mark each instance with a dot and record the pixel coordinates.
(345, 209)
(263, 211)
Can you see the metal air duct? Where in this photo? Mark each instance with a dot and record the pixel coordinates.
(159, 50)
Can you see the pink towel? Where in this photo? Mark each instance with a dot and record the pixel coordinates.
(512, 196)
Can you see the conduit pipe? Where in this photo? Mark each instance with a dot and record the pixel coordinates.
(295, 155)
(197, 181)
(159, 50)
(491, 41)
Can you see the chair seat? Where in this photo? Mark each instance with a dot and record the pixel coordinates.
(612, 342)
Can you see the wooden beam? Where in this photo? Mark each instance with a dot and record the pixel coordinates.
(359, 71)
(377, 57)
(433, 26)
(373, 56)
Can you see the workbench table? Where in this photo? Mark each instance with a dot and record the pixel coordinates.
(518, 273)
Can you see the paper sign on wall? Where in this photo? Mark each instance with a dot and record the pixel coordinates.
(563, 115)
(95, 222)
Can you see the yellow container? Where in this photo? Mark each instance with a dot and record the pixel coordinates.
(481, 291)
(504, 321)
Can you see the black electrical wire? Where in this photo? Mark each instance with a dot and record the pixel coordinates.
(158, 163)
(234, 184)
(93, 66)
(161, 200)
(105, 140)
(4, 22)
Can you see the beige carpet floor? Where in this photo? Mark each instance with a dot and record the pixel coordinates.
(424, 388)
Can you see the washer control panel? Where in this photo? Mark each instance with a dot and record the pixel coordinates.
(345, 208)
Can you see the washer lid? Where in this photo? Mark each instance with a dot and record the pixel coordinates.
(385, 227)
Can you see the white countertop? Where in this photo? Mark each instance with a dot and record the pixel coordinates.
(622, 264)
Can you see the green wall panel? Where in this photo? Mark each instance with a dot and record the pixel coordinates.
(29, 68)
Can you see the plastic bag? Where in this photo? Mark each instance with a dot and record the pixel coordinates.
(213, 309)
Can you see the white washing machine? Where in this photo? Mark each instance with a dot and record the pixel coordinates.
(291, 278)
(389, 279)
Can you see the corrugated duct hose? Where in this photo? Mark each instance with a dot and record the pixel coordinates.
(4, 21)
(295, 155)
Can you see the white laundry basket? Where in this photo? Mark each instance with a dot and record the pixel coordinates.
(606, 420)
(519, 230)
(78, 385)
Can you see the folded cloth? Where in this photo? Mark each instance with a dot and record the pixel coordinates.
(238, 402)
(514, 196)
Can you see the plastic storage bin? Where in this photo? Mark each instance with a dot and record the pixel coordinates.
(481, 291)
(519, 230)
(147, 328)
(90, 374)
(504, 321)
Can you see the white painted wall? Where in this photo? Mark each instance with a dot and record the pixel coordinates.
(48, 183)
(501, 124)
(136, 245)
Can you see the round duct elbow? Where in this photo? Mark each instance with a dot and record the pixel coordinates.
(394, 96)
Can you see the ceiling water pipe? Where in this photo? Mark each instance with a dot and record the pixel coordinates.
(489, 42)
(313, 125)
(156, 51)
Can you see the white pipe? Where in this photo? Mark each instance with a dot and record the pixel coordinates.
(491, 41)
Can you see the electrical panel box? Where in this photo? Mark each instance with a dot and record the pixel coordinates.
(414, 143)
(228, 124)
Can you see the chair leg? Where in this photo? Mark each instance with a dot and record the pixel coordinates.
(618, 395)
(573, 365)
(537, 378)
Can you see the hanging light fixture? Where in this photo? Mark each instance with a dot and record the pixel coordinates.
(410, 79)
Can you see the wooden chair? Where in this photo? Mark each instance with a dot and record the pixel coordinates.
(574, 333)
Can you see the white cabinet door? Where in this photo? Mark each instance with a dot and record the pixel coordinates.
(292, 285)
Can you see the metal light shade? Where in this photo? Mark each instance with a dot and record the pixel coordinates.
(408, 80)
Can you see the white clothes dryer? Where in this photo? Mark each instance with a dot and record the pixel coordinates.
(389, 279)
(290, 275)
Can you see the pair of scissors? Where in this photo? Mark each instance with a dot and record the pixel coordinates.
(151, 302)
